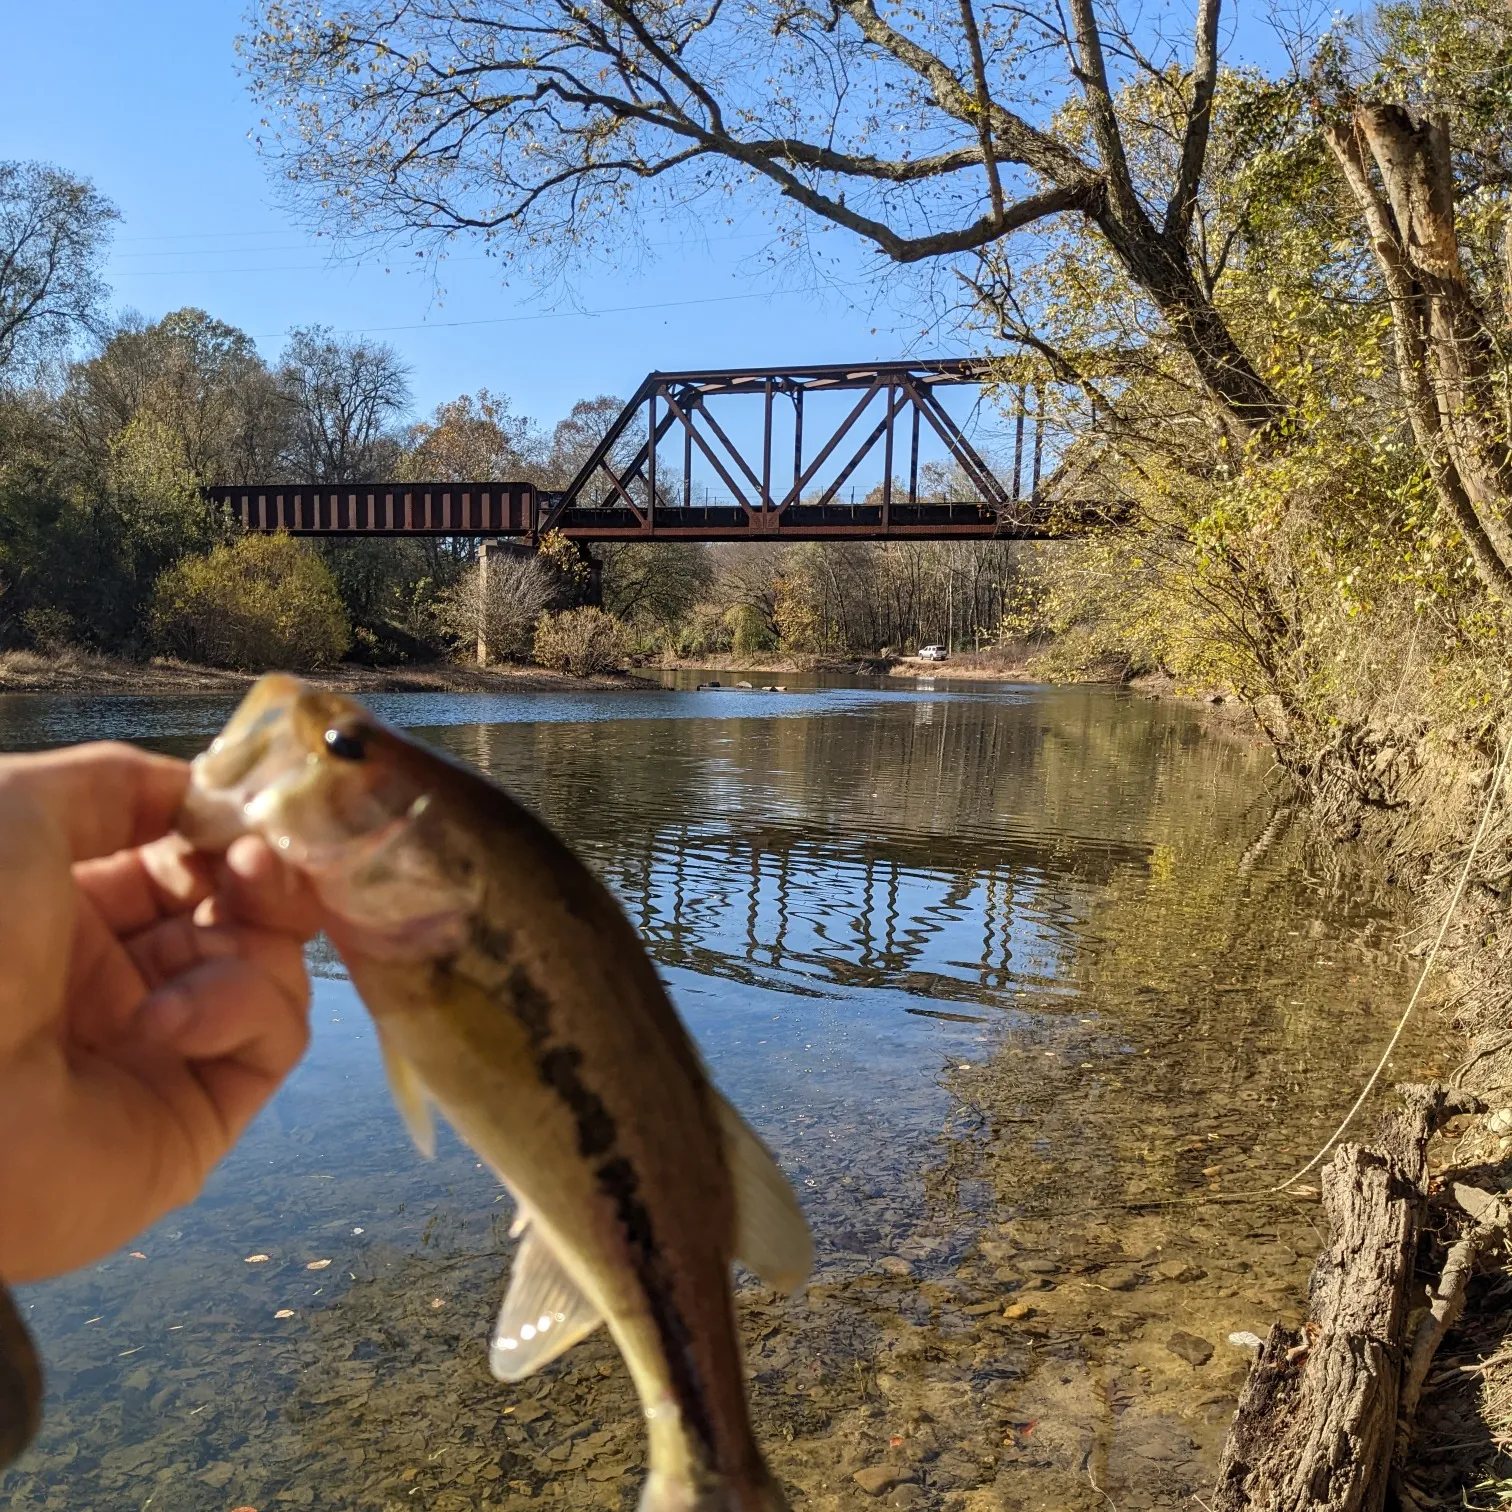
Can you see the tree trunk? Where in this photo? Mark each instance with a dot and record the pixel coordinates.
(1444, 352)
(1317, 1422)
(1165, 274)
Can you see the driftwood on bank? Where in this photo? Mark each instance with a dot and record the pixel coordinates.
(1317, 1424)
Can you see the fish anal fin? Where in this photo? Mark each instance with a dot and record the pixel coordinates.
(544, 1312)
(411, 1099)
(771, 1234)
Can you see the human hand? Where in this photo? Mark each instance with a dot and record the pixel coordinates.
(151, 1001)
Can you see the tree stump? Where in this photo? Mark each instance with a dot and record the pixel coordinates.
(1317, 1422)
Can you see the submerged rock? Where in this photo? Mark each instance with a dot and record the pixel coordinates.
(1189, 1347)
(876, 1479)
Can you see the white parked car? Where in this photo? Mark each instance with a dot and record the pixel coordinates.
(933, 653)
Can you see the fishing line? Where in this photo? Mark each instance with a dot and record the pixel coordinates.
(1391, 1044)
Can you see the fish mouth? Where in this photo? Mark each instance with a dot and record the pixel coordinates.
(267, 773)
(255, 756)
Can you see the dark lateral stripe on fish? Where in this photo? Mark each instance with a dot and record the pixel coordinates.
(618, 1180)
(558, 1066)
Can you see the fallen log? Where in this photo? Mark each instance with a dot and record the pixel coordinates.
(1317, 1421)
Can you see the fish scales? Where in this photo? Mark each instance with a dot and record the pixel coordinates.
(509, 989)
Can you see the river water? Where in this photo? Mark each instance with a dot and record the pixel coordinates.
(1008, 979)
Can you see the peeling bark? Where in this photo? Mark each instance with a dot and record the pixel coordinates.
(1317, 1423)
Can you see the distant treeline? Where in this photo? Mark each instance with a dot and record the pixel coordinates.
(107, 543)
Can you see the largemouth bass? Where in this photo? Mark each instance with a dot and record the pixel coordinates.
(510, 991)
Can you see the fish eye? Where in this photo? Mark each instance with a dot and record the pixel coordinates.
(346, 746)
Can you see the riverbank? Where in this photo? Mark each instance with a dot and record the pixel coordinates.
(986, 666)
(1432, 806)
(1452, 838)
(87, 672)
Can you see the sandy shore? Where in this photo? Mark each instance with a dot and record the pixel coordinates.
(966, 668)
(84, 672)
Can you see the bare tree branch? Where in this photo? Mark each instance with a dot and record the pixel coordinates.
(1183, 201)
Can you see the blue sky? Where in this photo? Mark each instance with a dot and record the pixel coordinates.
(145, 99)
(150, 106)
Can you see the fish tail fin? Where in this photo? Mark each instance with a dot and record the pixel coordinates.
(669, 1492)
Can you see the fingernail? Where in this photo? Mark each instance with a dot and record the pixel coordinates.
(167, 862)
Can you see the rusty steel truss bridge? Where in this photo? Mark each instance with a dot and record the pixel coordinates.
(638, 484)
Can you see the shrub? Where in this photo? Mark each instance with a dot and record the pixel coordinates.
(502, 604)
(259, 602)
(749, 630)
(50, 629)
(580, 641)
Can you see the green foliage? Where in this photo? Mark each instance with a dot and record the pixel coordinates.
(260, 602)
(581, 641)
(569, 568)
(749, 630)
(704, 632)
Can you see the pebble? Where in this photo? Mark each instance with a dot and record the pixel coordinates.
(1018, 1310)
(876, 1479)
(1040, 1267)
(1119, 1278)
(1189, 1347)
(895, 1265)
(1500, 1121)
(1179, 1270)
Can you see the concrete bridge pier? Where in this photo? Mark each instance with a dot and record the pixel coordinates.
(489, 552)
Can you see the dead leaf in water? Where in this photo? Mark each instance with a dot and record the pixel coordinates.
(284, 1312)
(317, 1265)
(256, 1259)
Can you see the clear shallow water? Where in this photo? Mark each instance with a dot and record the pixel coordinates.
(992, 970)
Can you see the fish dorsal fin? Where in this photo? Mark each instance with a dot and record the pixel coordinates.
(771, 1234)
(544, 1313)
(411, 1098)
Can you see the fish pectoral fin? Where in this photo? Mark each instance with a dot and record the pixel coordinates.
(544, 1313)
(771, 1234)
(411, 1099)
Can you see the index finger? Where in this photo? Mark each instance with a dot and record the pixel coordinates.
(103, 797)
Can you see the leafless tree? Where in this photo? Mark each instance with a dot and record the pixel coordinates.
(53, 232)
(931, 134)
(497, 603)
(347, 394)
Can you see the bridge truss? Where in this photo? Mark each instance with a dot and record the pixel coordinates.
(638, 482)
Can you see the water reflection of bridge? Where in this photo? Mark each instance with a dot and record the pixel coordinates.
(829, 852)
(814, 912)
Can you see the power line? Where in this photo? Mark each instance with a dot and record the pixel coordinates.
(443, 325)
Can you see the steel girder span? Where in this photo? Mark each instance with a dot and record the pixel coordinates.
(639, 481)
